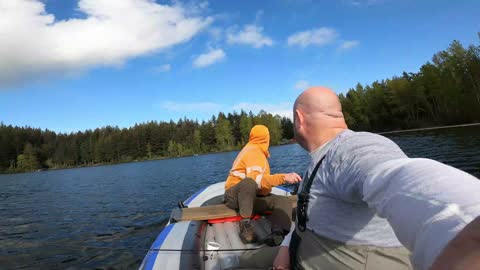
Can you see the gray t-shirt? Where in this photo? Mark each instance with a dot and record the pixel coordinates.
(368, 192)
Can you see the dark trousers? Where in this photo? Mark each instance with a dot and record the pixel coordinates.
(243, 197)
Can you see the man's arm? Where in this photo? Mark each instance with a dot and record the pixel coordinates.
(427, 203)
(282, 261)
(463, 251)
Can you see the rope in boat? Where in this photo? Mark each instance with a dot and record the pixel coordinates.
(130, 248)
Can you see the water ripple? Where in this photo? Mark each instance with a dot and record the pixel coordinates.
(69, 218)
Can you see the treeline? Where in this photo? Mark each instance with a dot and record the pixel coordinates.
(28, 149)
(445, 91)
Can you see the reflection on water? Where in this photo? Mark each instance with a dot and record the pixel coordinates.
(458, 147)
(106, 217)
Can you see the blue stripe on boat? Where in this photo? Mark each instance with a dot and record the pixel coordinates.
(159, 241)
(189, 200)
(156, 245)
(284, 188)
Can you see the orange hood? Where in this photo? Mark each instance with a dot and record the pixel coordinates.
(260, 136)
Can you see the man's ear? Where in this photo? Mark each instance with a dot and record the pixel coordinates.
(299, 117)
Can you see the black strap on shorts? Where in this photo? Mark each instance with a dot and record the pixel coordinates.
(302, 218)
(304, 197)
(293, 248)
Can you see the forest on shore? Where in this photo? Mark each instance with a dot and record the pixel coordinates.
(28, 149)
(444, 91)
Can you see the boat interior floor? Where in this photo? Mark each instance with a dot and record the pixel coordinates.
(225, 236)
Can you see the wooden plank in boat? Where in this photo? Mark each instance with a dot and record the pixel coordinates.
(210, 212)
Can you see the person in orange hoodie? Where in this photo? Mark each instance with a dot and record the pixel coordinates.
(249, 184)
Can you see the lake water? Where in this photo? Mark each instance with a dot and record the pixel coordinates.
(106, 217)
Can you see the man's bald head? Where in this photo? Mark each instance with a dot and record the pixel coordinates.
(318, 117)
(319, 100)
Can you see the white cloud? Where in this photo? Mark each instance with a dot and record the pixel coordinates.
(190, 107)
(301, 85)
(35, 44)
(209, 58)
(250, 35)
(348, 44)
(282, 109)
(162, 68)
(319, 36)
(216, 34)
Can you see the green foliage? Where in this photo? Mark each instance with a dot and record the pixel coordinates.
(246, 125)
(28, 149)
(446, 91)
(273, 123)
(27, 161)
(223, 133)
(197, 141)
(287, 128)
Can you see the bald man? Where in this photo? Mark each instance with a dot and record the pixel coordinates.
(362, 201)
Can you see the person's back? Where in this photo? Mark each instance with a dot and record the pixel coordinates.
(248, 187)
(335, 210)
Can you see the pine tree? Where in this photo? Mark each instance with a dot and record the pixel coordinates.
(28, 160)
(223, 133)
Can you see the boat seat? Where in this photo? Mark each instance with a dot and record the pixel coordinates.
(209, 212)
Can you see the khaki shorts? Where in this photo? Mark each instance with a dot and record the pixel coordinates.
(317, 252)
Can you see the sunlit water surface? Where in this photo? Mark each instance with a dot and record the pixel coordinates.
(106, 217)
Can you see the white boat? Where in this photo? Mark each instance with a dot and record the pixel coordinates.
(200, 245)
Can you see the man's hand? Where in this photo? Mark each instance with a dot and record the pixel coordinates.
(292, 178)
(463, 251)
(282, 261)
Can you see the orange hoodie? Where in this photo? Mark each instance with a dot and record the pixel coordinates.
(252, 162)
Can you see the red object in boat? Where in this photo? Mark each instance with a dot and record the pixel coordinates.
(230, 219)
(234, 219)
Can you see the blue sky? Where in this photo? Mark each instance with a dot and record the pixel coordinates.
(72, 65)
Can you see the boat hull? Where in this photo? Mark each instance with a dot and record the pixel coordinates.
(182, 245)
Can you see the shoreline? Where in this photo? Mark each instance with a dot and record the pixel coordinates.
(428, 128)
(225, 151)
(118, 163)
(131, 161)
